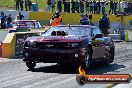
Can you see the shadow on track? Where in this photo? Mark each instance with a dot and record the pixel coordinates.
(67, 69)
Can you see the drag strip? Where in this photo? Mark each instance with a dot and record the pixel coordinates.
(15, 74)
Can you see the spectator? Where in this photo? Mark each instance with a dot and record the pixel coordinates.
(3, 21)
(115, 7)
(73, 6)
(111, 7)
(95, 6)
(59, 5)
(84, 19)
(53, 5)
(77, 6)
(98, 7)
(130, 7)
(17, 4)
(48, 5)
(119, 7)
(125, 7)
(68, 6)
(20, 16)
(104, 24)
(56, 19)
(81, 6)
(26, 5)
(9, 21)
(65, 5)
(103, 5)
(87, 6)
(91, 6)
(29, 5)
(21, 5)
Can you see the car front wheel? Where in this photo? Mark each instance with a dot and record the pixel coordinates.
(87, 60)
(30, 65)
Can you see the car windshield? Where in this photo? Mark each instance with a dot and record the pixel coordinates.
(70, 31)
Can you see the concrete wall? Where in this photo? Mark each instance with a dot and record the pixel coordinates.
(8, 47)
(73, 18)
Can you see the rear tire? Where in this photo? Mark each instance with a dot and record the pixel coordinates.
(30, 65)
(110, 56)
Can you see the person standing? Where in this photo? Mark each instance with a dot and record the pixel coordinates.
(91, 4)
(65, 5)
(9, 21)
(81, 6)
(95, 7)
(77, 6)
(73, 6)
(26, 5)
(115, 7)
(103, 7)
(59, 5)
(21, 5)
(29, 5)
(48, 5)
(125, 7)
(98, 7)
(119, 7)
(53, 5)
(17, 4)
(68, 6)
(87, 6)
(111, 7)
(3, 21)
(104, 24)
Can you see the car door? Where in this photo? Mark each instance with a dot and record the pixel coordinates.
(98, 43)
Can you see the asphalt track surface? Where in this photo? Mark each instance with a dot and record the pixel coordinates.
(15, 74)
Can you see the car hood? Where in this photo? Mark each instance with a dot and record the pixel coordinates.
(56, 38)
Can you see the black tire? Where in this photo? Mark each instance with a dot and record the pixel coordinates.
(30, 65)
(112, 55)
(87, 63)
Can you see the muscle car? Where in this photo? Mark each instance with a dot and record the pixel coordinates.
(69, 44)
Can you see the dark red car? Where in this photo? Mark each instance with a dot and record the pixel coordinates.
(71, 44)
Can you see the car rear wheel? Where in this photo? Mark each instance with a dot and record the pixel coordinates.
(30, 65)
(110, 56)
(87, 60)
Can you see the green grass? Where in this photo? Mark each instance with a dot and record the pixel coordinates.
(7, 3)
(11, 3)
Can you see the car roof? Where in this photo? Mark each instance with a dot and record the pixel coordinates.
(25, 20)
(88, 26)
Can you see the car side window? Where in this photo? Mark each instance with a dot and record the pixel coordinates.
(95, 31)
